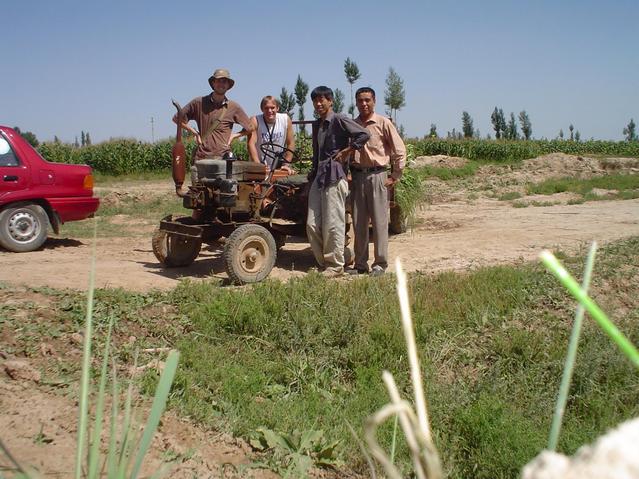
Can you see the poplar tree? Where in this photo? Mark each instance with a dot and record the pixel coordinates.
(571, 128)
(433, 131)
(394, 95)
(499, 123)
(526, 125)
(629, 131)
(467, 125)
(352, 75)
(511, 129)
(338, 101)
(301, 90)
(287, 102)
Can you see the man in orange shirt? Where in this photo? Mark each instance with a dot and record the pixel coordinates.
(371, 181)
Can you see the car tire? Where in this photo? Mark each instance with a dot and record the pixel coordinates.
(23, 227)
(249, 254)
(173, 250)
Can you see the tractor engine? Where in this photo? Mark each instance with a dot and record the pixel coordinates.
(224, 183)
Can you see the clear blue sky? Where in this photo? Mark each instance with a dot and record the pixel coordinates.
(108, 67)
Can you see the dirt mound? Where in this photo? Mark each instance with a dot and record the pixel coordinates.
(535, 170)
(439, 161)
(629, 164)
(560, 164)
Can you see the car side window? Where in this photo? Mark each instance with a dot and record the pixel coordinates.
(7, 156)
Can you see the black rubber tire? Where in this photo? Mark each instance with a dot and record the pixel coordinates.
(397, 221)
(23, 227)
(174, 251)
(249, 254)
(280, 240)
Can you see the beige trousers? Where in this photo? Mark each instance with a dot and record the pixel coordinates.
(325, 224)
(369, 197)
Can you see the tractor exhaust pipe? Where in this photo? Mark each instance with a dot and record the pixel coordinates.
(179, 155)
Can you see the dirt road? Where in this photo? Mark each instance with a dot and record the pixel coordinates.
(448, 236)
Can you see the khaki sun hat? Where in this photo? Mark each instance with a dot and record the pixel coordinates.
(221, 73)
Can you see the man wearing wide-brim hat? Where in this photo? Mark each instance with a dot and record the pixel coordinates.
(215, 116)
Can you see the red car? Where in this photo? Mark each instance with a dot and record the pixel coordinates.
(35, 193)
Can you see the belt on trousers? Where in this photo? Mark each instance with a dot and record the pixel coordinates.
(372, 169)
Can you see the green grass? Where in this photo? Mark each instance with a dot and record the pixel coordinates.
(511, 195)
(308, 355)
(132, 214)
(625, 184)
(103, 179)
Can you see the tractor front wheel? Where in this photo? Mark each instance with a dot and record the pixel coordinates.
(249, 254)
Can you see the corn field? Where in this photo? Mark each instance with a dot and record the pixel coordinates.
(502, 151)
(119, 157)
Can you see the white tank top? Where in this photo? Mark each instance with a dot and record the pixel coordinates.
(275, 133)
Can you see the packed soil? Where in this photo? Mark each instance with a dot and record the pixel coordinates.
(462, 225)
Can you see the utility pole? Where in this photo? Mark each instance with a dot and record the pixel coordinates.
(152, 132)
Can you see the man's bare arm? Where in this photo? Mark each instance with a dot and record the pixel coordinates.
(251, 144)
(290, 140)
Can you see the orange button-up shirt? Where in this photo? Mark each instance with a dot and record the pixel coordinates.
(384, 147)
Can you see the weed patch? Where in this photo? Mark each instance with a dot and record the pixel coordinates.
(305, 356)
(621, 186)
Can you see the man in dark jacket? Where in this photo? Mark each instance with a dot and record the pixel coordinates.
(335, 138)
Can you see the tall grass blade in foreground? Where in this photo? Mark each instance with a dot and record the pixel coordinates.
(159, 404)
(570, 356)
(94, 451)
(415, 426)
(597, 314)
(86, 363)
(119, 458)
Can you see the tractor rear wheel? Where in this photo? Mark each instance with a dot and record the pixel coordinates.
(249, 254)
(174, 250)
(397, 221)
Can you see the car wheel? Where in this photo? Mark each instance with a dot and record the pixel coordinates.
(175, 250)
(23, 227)
(249, 254)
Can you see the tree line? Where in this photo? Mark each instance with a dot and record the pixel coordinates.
(509, 130)
(394, 94)
(34, 142)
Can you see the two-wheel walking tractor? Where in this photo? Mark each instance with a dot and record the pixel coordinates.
(252, 208)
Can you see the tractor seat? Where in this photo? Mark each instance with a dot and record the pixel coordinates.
(292, 180)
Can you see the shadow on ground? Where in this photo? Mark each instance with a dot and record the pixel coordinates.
(210, 263)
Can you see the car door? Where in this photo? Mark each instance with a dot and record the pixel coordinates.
(14, 175)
